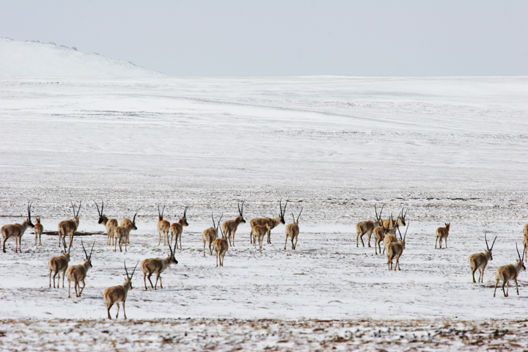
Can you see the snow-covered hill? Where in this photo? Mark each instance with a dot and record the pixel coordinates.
(34, 59)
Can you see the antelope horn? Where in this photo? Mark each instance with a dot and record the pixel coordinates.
(185, 212)
(102, 206)
(299, 215)
(134, 219)
(293, 216)
(381, 211)
(126, 271)
(84, 249)
(493, 243)
(73, 207)
(97, 205)
(212, 217)
(163, 211)
(91, 251)
(405, 235)
(219, 221)
(485, 239)
(517, 248)
(29, 210)
(78, 209)
(133, 271)
(159, 213)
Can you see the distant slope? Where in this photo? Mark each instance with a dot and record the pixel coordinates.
(34, 59)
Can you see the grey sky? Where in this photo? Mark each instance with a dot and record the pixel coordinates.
(286, 37)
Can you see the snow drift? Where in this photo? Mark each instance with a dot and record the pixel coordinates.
(34, 59)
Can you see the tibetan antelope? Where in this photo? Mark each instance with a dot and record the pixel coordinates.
(509, 272)
(176, 229)
(274, 222)
(210, 234)
(395, 250)
(157, 266)
(230, 226)
(292, 231)
(480, 260)
(442, 233)
(38, 229)
(110, 224)
(68, 227)
(367, 227)
(58, 264)
(77, 273)
(258, 232)
(128, 225)
(116, 294)
(120, 238)
(163, 227)
(220, 246)
(16, 231)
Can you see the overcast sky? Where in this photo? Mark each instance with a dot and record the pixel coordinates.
(286, 37)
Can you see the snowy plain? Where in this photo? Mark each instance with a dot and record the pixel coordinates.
(450, 150)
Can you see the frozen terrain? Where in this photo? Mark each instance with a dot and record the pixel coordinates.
(447, 149)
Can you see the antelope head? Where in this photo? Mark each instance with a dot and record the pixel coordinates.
(240, 218)
(401, 217)
(293, 216)
(76, 214)
(28, 221)
(160, 213)
(520, 261)
(128, 280)
(172, 257)
(184, 217)
(282, 211)
(102, 218)
(88, 257)
(488, 249)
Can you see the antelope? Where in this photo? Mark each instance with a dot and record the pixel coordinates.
(210, 234)
(58, 264)
(400, 220)
(116, 294)
(110, 224)
(16, 231)
(380, 233)
(366, 227)
(176, 229)
(442, 233)
(258, 232)
(77, 273)
(157, 266)
(480, 260)
(68, 227)
(120, 237)
(292, 231)
(509, 272)
(274, 222)
(230, 226)
(38, 229)
(220, 246)
(395, 250)
(128, 226)
(163, 227)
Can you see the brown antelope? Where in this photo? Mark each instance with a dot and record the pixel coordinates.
(292, 231)
(68, 227)
(400, 220)
(509, 272)
(77, 273)
(16, 231)
(128, 226)
(38, 229)
(116, 294)
(110, 224)
(58, 264)
(210, 234)
(120, 237)
(480, 260)
(442, 233)
(220, 246)
(274, 222)
(163, 227)
(395, 250)
(157, 266)
(258, 232)
(367, 227)
(230, 226)
(176, 229)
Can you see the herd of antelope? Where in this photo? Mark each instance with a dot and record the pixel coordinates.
(384, 230)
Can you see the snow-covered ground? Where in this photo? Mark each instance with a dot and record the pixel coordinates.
(447, 149)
